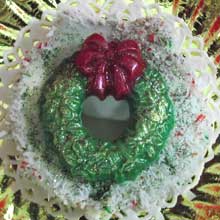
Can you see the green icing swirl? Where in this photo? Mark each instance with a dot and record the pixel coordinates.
(93, 160)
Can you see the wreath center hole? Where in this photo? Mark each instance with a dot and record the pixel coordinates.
(107, 119)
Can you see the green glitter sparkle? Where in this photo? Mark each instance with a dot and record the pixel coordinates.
(93, 160)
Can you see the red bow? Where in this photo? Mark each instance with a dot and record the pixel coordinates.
(112, 68)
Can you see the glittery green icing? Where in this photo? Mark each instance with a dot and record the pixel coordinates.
(93, 160)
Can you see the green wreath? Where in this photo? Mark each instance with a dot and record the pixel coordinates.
(93, 160)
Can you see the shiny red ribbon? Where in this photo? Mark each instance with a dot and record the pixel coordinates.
(112, 68)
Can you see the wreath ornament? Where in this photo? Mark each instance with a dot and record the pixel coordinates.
(112, 69)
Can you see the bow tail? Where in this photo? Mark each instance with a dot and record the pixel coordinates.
(97, 84)
(121, 86)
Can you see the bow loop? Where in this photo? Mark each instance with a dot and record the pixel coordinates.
(95, 42)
